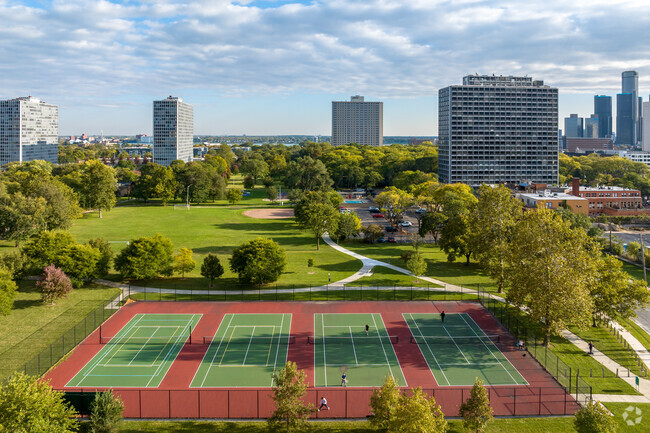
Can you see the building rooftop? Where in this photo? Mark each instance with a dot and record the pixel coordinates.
(548, 195)
(605, 188)
(501, 80)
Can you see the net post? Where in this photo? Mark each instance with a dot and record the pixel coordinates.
(100, 334)
(190, 334)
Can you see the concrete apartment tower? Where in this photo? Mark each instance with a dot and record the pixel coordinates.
(628, 128)
(603, 111)
(498, 129)
(357, 121)
(173, 131)
(646, 125)
(29, 130)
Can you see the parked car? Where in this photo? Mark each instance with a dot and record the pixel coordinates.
(378, 215)
(421, 210)
(406, 224)
(392, 240)
(373, 209)
(390, 229)
(381, 240)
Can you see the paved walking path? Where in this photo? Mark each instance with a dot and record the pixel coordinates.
(634, 343)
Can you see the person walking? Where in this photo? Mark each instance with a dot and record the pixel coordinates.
(442, 317)
(323, 404)
(591, 348)
(367, 329)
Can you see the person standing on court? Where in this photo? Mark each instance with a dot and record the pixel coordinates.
(367, 329)
(344, 380)
(323, 404)
(442, 316)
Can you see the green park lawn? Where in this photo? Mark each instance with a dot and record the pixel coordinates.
(218, 231)
(636, 331)
(458, 273)
(618, 409)
(32, 326)
(517, 425)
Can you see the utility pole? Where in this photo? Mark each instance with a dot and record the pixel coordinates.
(645, 277)
(187, 197)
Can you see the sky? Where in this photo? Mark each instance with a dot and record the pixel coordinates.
(269, 67)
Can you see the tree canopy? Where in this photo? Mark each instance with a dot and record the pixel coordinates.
(258, 261)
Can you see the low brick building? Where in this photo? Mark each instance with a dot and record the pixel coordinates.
(554, 200)
(609, 199)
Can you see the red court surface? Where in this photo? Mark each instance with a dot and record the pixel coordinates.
(175, 399)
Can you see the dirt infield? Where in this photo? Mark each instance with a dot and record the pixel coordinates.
(270, 214)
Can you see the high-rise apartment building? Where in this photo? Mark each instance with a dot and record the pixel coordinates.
(574, 126)
(628, 128)
(603, 110)
(173, 131)
(29, 130)
(357, 121)
(646, 125)
(498, 129)
(591, 127)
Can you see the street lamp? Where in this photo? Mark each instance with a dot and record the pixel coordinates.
(187, 197)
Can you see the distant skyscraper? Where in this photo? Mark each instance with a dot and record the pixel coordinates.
(627, 108)
(591, 127)
(498, 129)
(573, 126)
(646, 126)
(358, 122)
(173, 131)
(29, 130)
(603, 110)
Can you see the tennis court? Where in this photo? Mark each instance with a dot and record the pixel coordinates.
(458, 351)
(245, 351)
(140, 354)
(342, 346)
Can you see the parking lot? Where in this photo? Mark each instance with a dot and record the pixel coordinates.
(400, 235)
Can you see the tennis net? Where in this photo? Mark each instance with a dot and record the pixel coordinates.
(361, 339)
(282, 340)
(146, 341)
(461, 340)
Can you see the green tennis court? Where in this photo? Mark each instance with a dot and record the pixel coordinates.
(458, 351)
(342, 346)
(245, 351)
(140, 354)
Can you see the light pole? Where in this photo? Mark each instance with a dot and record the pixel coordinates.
(187, 197)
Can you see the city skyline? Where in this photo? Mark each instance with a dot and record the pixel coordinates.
(274, 67)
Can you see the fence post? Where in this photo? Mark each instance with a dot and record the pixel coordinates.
(514, 402)
(539, 403)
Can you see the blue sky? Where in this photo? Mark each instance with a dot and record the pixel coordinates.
(274, 66)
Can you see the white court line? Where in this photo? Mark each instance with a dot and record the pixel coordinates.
(322, 317)
(171, 350)
(491, 352)
(454, 341)
(429, 347)
(247, 348)
(145, 343)
(353, 348)
(277, 349)
(382, 345)
(216, 351)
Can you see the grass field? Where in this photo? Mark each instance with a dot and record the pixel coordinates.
(637, 332)
(218, 231)
(437, 265)
(639, 425)
(32, 326)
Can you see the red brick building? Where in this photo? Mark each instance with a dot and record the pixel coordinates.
(609, 199)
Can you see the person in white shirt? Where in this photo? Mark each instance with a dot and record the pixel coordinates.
(323, 404)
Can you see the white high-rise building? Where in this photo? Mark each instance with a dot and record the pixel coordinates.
(29, 130)
(357, 121)
(494, 129)
(173, 131)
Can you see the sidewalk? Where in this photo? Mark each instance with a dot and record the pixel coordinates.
(635, 344)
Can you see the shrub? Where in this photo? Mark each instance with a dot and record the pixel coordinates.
(258, 261)
(106, 412)
(54, 284)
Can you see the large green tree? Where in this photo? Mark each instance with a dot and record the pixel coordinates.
(417, 413)
(394, 202)
(383, 403)
(457, 204)
(98, 186)
(551, 270)
(211, 268)
(146, 258)
(8, 291)
(156, 181)
(307, 174)
(258, 261)
(289, 391)
(491, 225)
(476, 410)
(30, 405)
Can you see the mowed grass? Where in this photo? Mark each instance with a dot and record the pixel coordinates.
(217, 231)
(457, 273)
(638, 425)
(32, 326)
(527, 425)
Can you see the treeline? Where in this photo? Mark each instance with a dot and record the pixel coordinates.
(594, 169)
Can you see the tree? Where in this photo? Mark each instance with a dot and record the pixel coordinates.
(476, 410)
(146, 258)
(156, 181)
(272, 193)
(258, 261)
(633, 249)
(183, 261)
(47, 247)
(551, 269)
(383, 403)
(234, 195)
(457, 203)
(79, 262)
(255, 168)
(319, 218)
(372, 232)
(432, 222)
(106, 412)
(289, 390)
(417, 413)
(491, 224)
(349, 226)
(417, 265)
(249, 182)
(8, 290)
(28, 404)
(54, 284)
(105, 261)
(98, 186)
(211, 268)
(394, 202)
(615, 295)
(21, 217)
(307, 174)
(594, 418)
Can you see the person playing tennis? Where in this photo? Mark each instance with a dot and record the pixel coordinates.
(367, 329)
(344, 380)
(323, 404)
